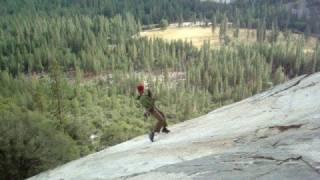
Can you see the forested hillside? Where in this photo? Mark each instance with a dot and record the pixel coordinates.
(69, 71)
(298, 15)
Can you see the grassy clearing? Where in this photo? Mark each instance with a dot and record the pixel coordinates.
(195, 34)
(198, 35)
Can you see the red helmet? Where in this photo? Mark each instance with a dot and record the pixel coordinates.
(140, 88)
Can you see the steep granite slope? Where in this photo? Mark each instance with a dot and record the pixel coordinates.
(273, 135)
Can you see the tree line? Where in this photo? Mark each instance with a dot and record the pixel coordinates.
(248, 13)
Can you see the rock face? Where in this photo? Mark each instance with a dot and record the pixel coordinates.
(273, 135)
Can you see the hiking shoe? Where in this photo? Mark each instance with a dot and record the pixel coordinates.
(165, 130)
(151, 136)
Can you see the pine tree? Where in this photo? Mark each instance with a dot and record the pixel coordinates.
(39, 99)
(237, 29)
(194, 18)
(213, 24)
(279, 76)
(274, 32)
(164, 24)
(307, 32)
(223, 27)
(261, 31)
(57, 91)
(180, 20)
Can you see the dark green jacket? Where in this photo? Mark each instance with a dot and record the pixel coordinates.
(147, 100)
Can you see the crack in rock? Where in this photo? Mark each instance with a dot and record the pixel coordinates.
(131, 176)
(310, 85)
(276, 143)
(281, 90)
(289, 87)
(266, 132)
(290, 159)
(280, 161)
(181, 158)
(309, 165)
(286, 128)
(266, 173)
(316, 128)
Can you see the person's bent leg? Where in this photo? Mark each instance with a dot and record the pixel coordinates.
(160, 120)
(163, 121)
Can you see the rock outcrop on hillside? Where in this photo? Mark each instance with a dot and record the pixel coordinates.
(273, 135)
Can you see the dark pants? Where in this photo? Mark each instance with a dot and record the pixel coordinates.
(161, 119)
